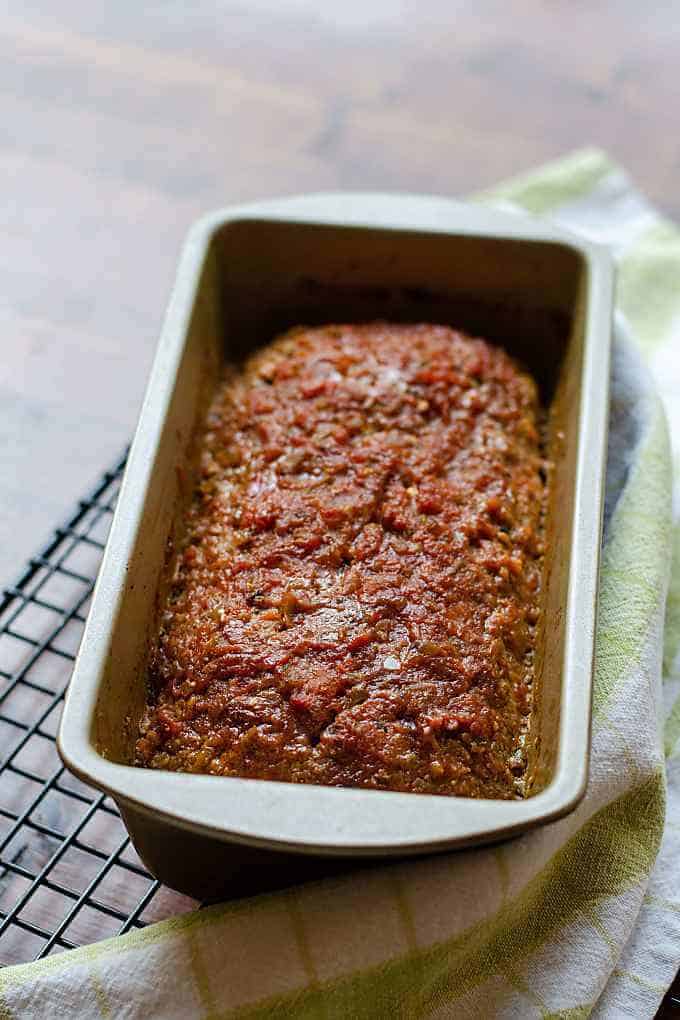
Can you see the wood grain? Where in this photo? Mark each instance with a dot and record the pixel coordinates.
(120, 123)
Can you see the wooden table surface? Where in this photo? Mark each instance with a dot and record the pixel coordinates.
(121, 122)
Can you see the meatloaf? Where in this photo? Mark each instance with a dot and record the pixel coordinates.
(356, 599)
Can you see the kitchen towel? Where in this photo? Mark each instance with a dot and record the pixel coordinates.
(578, 918)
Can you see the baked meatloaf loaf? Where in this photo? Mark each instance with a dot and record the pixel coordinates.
(356, 599)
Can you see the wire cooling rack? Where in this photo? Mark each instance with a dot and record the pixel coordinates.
(68, 872)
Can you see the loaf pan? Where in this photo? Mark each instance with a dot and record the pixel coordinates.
(245, 274)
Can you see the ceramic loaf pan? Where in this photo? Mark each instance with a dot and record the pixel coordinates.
(245, 274)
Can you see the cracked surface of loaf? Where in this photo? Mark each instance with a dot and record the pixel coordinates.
(356, 599)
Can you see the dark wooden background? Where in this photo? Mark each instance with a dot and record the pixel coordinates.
(120, 122)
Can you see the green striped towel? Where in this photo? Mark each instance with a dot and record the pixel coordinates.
(578, 918)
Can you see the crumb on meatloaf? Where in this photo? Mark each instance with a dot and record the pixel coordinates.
(356, 598)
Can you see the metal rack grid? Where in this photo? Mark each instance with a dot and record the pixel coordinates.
(68, 872)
